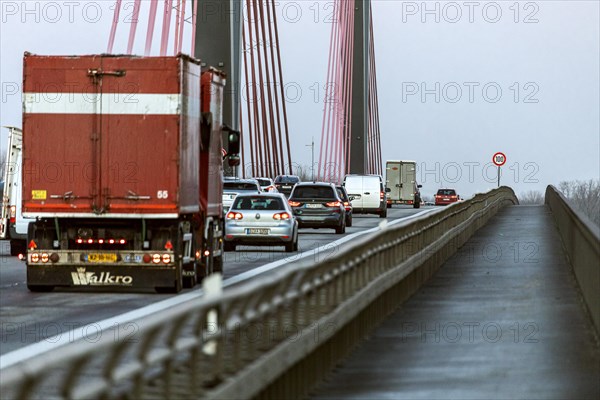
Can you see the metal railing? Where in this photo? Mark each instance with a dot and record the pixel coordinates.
(269, 337)
(581, 239)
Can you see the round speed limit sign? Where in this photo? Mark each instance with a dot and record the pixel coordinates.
(499, 159)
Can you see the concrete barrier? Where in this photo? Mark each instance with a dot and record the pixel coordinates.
(581, 239)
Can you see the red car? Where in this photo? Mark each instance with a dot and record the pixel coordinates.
(444, 197)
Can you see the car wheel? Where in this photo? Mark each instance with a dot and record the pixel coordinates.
(349, 221)
(342, 228)
(289, 247)
(383, 213)
(417, 203)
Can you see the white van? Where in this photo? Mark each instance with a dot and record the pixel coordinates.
(12, 224)
(367, 194)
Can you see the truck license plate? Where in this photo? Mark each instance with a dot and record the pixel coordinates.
(257, 231)
(102, 257)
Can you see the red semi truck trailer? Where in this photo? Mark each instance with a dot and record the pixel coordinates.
(122, 170)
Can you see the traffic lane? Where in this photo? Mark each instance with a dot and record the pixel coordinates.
(247, 258)
(27, 317)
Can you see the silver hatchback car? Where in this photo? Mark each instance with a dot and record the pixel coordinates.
(262, 219)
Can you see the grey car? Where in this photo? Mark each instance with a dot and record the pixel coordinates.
(262, 219)
(234, 186)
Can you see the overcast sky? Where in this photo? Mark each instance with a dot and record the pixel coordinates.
(458, 81)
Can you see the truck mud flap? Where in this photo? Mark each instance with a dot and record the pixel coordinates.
(101, 276)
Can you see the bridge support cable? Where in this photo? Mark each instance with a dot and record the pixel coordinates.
(150, 31)
(164, 38)
(335, 129)
(151, 7)
(264, 112)
(133, 27)
(350, 130)
(113, 29)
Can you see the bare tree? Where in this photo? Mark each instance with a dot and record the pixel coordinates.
(531, 197)
(583, 195)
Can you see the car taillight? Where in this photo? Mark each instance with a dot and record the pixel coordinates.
(281, 216)
(234, 215)
(294, 203)
(333, 204)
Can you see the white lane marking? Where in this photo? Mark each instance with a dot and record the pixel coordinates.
(47, 344)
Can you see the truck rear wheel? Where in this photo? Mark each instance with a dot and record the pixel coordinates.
(17, 247)
(40, 288)
(190, 281)
(417, 202)
(218, 264)
(176, 288)
(228, 246)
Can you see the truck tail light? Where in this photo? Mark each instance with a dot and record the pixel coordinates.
(156, 258)
(333, 204)
(35, 257)
(234, 215)
(168, 245)
(281, 216)
(54, 257)
(147, 258)
(381, 194)
(45, 257)
(32, 245)
(13, 214)
(166, 258)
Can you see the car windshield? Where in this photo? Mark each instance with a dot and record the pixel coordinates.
(446, 192)
(258, 203)
(264, 182)
(287, 179)
(239, 186)
(313, 192)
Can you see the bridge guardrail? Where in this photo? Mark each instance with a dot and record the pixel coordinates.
(260, 337)
(581, 239)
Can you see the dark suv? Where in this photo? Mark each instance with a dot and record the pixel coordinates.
(285, 183)
(318, 205)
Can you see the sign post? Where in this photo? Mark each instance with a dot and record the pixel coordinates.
(499, 159)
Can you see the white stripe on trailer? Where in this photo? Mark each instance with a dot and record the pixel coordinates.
(111, 104)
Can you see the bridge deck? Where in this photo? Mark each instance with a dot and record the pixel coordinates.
(503, 318)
